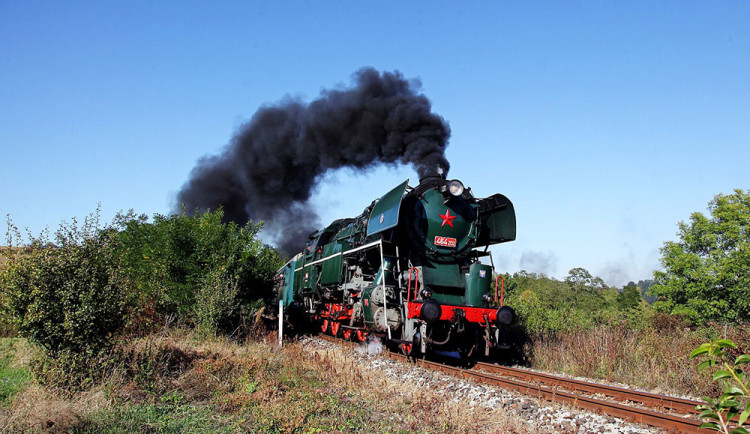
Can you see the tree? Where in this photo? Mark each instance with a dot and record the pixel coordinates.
(580, 279)
(707, 273)
(630, 297)
(645, 286)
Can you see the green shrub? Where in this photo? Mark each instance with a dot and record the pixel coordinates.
(734, 400)
(75, 293)
(70, 372)
(217, 307)
(194, 268)
(68, 295)
(7, 328)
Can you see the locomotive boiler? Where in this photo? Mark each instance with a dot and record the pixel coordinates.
(408, 270)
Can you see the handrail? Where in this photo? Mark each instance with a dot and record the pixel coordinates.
(502, 289)
(416, 284)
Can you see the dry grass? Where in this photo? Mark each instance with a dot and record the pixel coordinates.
(37, 408)
(180, 382)
(657, 360)
(410, 406)
(183, 383)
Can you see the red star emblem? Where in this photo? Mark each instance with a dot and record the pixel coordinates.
(447, 218)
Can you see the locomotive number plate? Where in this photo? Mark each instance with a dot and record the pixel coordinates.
(445, 241)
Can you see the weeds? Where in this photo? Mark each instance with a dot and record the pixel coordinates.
(655, 359)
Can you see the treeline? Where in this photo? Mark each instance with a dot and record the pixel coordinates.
(78, 291)
(578, 302)
(705, 278)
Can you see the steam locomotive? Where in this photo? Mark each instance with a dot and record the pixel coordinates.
(407, 270)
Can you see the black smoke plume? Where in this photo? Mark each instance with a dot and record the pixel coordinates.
(271, 166)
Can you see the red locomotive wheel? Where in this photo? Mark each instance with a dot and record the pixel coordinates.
(361, 335)
(346, 333)
(324, 326)
(335, 326)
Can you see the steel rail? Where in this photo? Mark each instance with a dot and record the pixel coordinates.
(628, 412)
(632, 413)
(663, 402)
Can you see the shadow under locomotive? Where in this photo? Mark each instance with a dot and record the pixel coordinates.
(408, 270)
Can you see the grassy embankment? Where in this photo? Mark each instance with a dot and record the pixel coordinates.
(182, 383)
(14, 373)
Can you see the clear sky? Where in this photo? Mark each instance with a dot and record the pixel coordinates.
(606, 123)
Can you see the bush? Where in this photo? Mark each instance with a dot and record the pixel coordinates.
(68, 295)
(216, 303)
(194, 268)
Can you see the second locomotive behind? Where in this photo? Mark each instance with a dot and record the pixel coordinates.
(407, 269)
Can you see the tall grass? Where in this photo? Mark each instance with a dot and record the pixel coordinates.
(654, 359)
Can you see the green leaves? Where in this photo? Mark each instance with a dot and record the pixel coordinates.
(68, 295)
(734, 400)
(725, 343)
(703, 349)
(743, 417)
(707, 272)
(178, 262)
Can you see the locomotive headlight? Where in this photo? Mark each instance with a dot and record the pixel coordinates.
(426, 293)
(456, 188)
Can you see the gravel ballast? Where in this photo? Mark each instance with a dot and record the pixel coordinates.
(537, 416)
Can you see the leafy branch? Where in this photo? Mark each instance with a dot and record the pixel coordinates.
(734, 400)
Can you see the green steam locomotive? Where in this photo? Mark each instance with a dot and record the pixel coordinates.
(407, 270)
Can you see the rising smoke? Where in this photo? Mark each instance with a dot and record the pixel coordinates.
(274, 161)
(539, 262)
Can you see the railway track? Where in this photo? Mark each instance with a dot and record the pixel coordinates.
(660, 411)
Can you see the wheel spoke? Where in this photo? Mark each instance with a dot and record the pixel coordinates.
(335, 327)
(361, 335)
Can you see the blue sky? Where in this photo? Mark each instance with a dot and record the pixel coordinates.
(605, 122)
